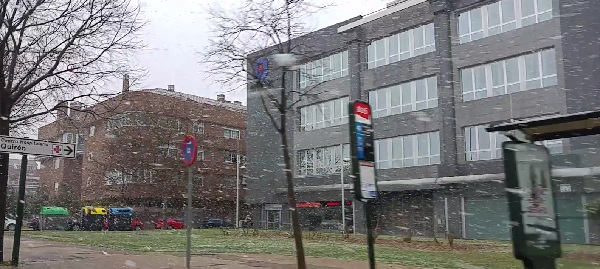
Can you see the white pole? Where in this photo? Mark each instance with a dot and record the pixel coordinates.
(343, 195)
(237, 193)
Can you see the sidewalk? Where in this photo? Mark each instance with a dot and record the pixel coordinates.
(37, 254)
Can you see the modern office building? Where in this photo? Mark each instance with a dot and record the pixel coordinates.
(436, 72)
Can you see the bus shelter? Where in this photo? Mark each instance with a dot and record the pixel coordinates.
(531, 188)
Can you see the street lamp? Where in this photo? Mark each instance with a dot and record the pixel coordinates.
(237, 192)
(344, 161)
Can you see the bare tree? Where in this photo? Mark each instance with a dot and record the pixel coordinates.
(265, 27)
(56, 51)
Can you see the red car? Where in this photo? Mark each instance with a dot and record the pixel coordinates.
(172, 223)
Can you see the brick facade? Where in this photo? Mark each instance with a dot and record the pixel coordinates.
(118, 135)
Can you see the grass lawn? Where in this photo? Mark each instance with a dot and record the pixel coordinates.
(419, 253)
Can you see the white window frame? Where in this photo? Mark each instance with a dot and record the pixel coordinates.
(391, 162)
(489, 87)
(518, 21)
(198, 127)
(230, 133)
(330, 161)
(313, 122)
(314, 72)
(384, 110)
(92, 130)
(495, 151)
(230, 156)
(412, 50)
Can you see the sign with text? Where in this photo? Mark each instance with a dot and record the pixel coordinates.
(363, 151)
(530, 192)
(27, 146)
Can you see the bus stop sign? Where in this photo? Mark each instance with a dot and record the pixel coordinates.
(189, 150)
(363, 151)
(535, 231)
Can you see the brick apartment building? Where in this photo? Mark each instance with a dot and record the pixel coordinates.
(32, 178)
(128, 152)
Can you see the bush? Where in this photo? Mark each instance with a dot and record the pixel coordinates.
(594, 210)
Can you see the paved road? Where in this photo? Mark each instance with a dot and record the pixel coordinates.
(36, 254)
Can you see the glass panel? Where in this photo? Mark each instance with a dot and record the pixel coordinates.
(395, 96)
(480, 79)
(406, 93)
(373, 100)
(527, 8)
(382, 99)
(380, 50)
(337, 108)
(345, 62)
(498, 73)
(327, 114)
(467, 80)
(532, 66)
(432, 87)
(397, 148)
(548, 62)
(512, 70)
(393, 44)
(419, 37)
(484, 138)
(421, 88)
(407, 150)
(434, 143)
(371, 55)
(493, 11)
(508, 10)
(476, 20)
(544, 5)
(473, 135)
(423, 145)
(429, 34)
(404, 45)
(463, 24)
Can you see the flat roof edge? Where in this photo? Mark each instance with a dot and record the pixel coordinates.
(380, 14)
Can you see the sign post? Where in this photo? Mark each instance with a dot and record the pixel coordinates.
(25, 147)
(532, 207)
(189, 152)
(363, 165)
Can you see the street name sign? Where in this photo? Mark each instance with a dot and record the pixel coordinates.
(27, 146)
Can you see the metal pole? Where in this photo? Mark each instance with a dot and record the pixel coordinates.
(343, 195)
(20, 208)
(370, 239)
(354, 217)
(237, 193)
(188, 254)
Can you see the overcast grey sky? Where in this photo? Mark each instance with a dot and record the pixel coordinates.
(177, 31)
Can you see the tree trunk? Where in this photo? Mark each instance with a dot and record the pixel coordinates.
(290, 178)
(4, 163)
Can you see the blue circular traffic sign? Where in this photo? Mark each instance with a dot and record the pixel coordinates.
(189, 150)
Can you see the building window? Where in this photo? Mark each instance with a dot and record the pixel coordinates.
(482, 145)
(169, 151)
(198, 127)
(525, 72)
(554, 146)
(69, 138)
(411, 96)
(231, 133)
(406, 151)
(500, 17)
(407, 44)
(322, 161)
(325, 69)
(200, 156)
(56, 185)
(56, 163)
(198, 180)
(92, 131)
(230, 157)
(325, 114)
(116, 177)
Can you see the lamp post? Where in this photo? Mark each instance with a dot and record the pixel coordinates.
(344, 161)
(237, 192)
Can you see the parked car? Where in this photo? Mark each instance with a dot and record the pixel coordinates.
(172, 223)
(9, 224)
(34, 224)
(217, 223)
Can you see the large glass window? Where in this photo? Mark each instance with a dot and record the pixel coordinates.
(324, 69)
(410, 96)
(406, 151)
(323, 115)
(501, 16)
(525, 72)
(322, 161)
(410, 43)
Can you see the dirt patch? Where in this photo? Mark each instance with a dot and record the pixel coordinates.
(317, 263)
(591, 257)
